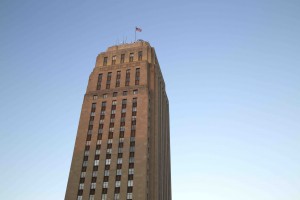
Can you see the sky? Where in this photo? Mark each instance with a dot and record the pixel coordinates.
(232, 73)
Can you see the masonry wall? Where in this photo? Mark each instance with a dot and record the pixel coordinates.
(147, 103)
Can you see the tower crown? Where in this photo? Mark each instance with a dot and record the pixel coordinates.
(139, 43)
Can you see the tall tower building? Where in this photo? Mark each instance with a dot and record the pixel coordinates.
(122, 148)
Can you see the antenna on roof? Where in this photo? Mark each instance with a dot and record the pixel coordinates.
(123, 40)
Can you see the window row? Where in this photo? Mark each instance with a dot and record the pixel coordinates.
(115, 94)
(121, 58)
(118, 79)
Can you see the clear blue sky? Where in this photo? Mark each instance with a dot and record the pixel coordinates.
(232, 70)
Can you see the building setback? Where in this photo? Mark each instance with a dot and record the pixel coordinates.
(122, 148)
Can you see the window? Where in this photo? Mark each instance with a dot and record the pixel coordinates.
(131, 171)
(127, 80)
(137, 76)
(119, 161)
(94, 174)
(132, 139)
(99, 81)
(109, 141)
(129, 189)
(81, 186)
(104, 197)
(93, 107)
(115, 94)
(132, 144)
(131, 149)
(122, 58)
(82, 175)
(95, 97)
(118, 74)
(104, 61)
(119, 166)
(109, 146)
(140, 55)
(131, 165)
(80, 192)
(92, 197)
(124, 93)
(133, 127)
(108, 80)
(131, 159)
(121, 135)
(105, 184)
(79, 198)
(93, 185)
(130, 177)
(81, 180)
(84, 163)
(131, 55)
(129, 196)
(97, 152)
(114, 58)
(118, 78)
(135, 91)
(96, 163)
(85, 158)
(119, 172)
(107, 161)
(120, 150)
(97, 157)
(95, 168)
(106, 173)
(118, 183)
(130, 183)
(117, 196)
(104, 96)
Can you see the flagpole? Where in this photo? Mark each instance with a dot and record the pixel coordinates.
(135, 34)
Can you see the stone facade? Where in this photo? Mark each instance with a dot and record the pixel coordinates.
(122, 148)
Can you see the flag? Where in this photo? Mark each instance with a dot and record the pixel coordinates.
(138, 29)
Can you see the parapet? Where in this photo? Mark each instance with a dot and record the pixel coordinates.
(138, 43)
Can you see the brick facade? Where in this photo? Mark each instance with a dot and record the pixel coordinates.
(122, 148)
